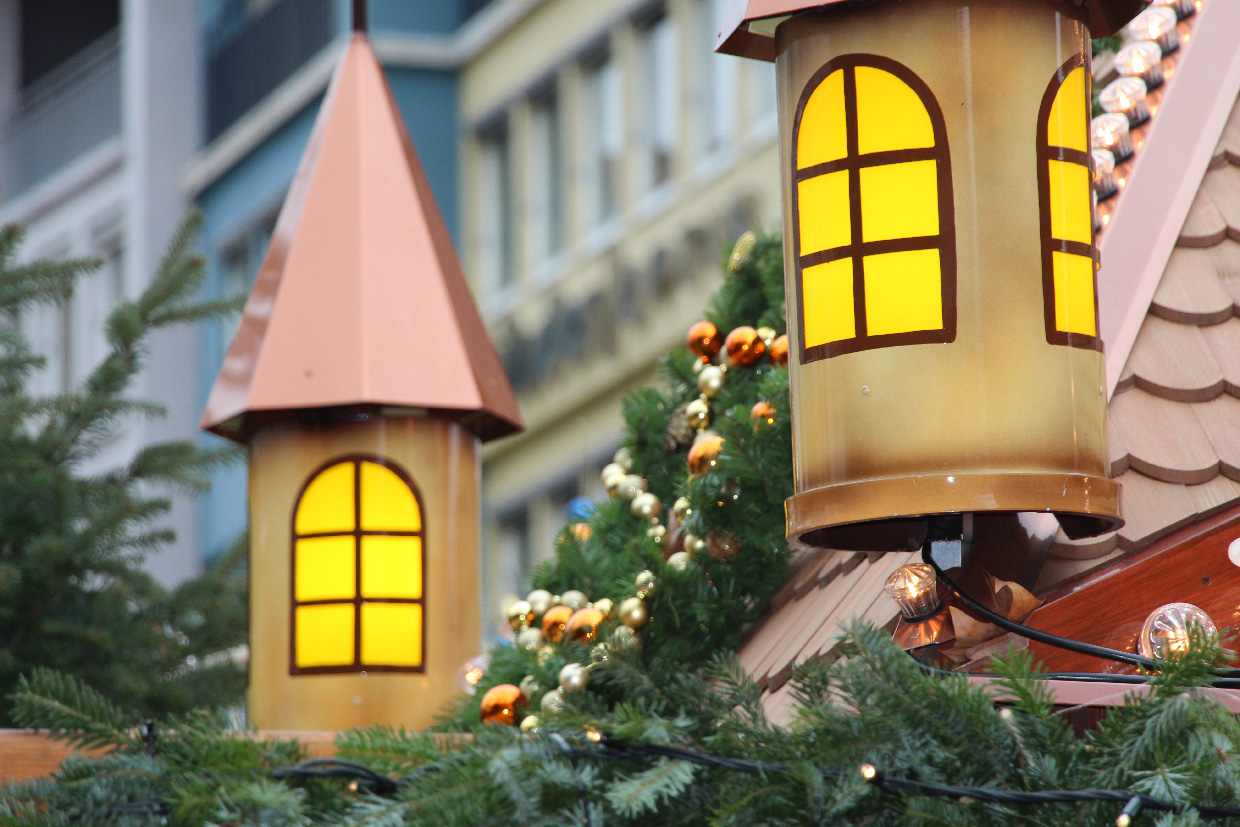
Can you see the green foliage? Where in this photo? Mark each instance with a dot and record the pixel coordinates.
(73, 596)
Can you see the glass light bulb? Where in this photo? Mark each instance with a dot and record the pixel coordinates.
(1104, 173)
(914, 589)
(1126, 96)
(1182, 8)
(1142, 59)
(1110, 131)
(1155, 23)
(1167, 629)
(471, 672)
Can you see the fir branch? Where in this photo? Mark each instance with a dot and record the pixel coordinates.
(70, 710)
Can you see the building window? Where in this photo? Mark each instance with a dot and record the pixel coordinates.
(358, 563)
(546, 178)
(715, 86)
(602, 131)
(657, 107)
(873, 225)
(496, 213)
(1069, 258)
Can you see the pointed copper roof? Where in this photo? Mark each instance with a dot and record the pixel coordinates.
(361, 300)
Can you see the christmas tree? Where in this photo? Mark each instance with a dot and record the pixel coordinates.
(619, 700)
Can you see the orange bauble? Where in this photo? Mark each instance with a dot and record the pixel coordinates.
(762, 412)
(779, 351)
(704, 341)
(502, 704)
(745, 346)
(582, 627)
(704, 452)
(554, 620)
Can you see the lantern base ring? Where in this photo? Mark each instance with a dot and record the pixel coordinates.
(890, 513)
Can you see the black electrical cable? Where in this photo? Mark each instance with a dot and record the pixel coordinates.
(1046, 637)
(572, 755)
(339, 768)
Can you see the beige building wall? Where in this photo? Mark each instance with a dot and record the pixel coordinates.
(691, 141)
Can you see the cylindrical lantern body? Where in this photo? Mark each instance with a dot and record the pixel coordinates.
(363, 570)
(940, 262)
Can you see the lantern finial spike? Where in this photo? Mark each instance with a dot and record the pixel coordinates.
(359, 16)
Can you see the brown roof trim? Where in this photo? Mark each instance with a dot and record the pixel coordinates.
(1164, 183)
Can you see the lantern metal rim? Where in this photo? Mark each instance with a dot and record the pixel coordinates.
(842, 515)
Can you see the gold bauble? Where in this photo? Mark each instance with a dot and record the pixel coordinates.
(705, 453)
(779, 351)
(767, 335)
(645, 582)
(741, 251)
(679, 561)
(704, 341)
(529, 723)
(540, 601)
(612, 483)
(710, 380)
(605, 606)
(574, 677)
(722, 544)
(553, 622)
(744, 346)
(501, 704)
(610, 470)
(624, 458)
(633, 613)
(545, 653)
(552, 702)
(574, 599)
(646, 506)
(681, 508)
(697, 414)
(631, 487)
(520, 615)
(530, 639)
(530, 686)
(657, 533)
(693, 545)
(625, 639)
(581, 531)
(582, 627)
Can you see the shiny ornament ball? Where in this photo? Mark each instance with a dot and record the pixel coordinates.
(722, 545)
(554, 621)
(762, 412)
(693, 545)
(744, 346)
(613, 483)
(741, 251)
(704, 340)
(625, 639)
(520, 615)
(580, 531)
(680, 560)
(606, 606)
(574, 599)
(530, 686)
(582, 627)
(624, 458)
(705, 453)
(633, 613)
(610, 470)
(710, 380)
(539, 600)
(552, 702)
(574, 678)
(530, 639)
(529, 723)
(646, 506)
(681, 508)
(501, 704)
(646, 583)
(657, 533)
(631, 487)
(767, 335)
(697, 414)
(779, 351)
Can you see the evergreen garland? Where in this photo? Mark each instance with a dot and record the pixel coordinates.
(672, 731)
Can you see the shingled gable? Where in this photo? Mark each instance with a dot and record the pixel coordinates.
(361, 301)
(1169, 295)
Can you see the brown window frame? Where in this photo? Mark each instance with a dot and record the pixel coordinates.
(857, 250)
(1050, 245)
(357, 533)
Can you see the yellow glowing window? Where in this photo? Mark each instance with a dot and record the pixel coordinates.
(1069, 257)
(873, 227)
(358, 570)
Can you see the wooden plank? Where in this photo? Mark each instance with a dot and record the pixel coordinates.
(1190, 292)
(1165, 441)
(1173, 361)
(1204, 226)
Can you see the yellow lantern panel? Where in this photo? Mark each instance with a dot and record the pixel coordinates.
(392, 567)
(1068, 253)
(387, 502)
(325, 568)
(874, 229)
(392, 634)
(326, 506)
(325, 635)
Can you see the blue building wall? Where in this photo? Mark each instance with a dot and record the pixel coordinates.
(252, 188)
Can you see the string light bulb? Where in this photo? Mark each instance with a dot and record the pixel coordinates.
(1142, 59)
(1182, 8)
(1109, 131)
(471, 672)
(914, 588)
(1156, 23)
(1126, 96)
(869, 772)
(1169, 629)
(1104, 174)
